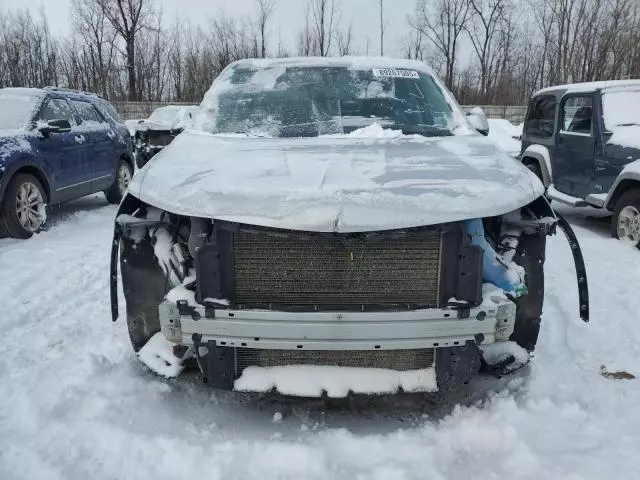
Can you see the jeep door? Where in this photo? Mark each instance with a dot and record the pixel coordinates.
(573, 160)
(99, 149)
(62, 152)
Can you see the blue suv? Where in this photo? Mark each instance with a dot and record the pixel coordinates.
(57, 145)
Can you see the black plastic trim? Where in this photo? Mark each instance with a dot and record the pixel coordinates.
(581, 271)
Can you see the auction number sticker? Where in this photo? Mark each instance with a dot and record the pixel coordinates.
(393, 72)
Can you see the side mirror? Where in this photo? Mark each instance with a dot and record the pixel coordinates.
(478, 120)
(55, 126)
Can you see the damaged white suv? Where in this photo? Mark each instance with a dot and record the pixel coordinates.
(332, 226)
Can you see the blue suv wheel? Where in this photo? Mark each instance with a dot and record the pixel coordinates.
(23, 210)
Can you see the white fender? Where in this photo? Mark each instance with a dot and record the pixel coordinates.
(541, 154)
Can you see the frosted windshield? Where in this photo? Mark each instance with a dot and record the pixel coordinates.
(307, 101)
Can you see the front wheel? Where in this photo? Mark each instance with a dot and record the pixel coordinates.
(117, 190)
(23, 211)
(625, 222)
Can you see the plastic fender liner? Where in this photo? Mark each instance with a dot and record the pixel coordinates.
(581, 271)
(113, 272)
(129, 204)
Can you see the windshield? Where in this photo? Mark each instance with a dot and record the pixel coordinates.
(617, 108)
(16, 109)
(164, 114)
(304, 101)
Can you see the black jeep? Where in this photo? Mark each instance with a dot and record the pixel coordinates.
(583, 141)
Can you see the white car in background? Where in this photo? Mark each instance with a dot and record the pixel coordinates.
(159, 130)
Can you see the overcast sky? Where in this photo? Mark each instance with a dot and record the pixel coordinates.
(288, 17)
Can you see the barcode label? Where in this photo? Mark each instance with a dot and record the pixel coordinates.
(392, 72)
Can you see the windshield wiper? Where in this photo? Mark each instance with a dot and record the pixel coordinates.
(630, 124)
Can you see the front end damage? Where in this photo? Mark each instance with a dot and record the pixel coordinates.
(325, 313)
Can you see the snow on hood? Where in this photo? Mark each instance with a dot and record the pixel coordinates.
(171, 117)
(335, 184)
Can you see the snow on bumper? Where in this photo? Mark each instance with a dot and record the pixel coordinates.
(336, 382)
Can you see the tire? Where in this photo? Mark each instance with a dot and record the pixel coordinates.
(530, 255)
(625, 222)
(116, 192)
(23, 211)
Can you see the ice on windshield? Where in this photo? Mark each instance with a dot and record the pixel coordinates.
(308, 101)
(16, 110)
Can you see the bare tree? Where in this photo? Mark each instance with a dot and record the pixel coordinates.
(486, 21)
(382, 28)
(442, 22)
(265, 9)
(129, 18)
(323, 14)
(98, 42)
(344, 39)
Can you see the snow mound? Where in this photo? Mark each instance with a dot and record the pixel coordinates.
(497, 353)
(503, 133)
(157, 354)
(375, 130)
(337, 382)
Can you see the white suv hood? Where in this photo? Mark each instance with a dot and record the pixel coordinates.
(335, 184)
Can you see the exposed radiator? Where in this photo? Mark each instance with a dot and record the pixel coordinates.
(391, 359)
(399, 270)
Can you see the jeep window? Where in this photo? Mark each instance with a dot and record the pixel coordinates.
(87, 112)
(541, 117)
(617, 109)
(56, 109)
(307, 101)
(576, 115)
(16, 109)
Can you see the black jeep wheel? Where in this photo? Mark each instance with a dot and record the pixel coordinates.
(625, 222)
(23, 211)
(117, 190)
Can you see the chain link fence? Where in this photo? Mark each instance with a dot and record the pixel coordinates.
(140, 110)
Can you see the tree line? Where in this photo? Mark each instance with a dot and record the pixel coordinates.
(486, 51)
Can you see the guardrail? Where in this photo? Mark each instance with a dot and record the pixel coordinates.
(139, 110)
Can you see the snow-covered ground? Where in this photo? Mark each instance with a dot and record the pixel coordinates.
(75, 403)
